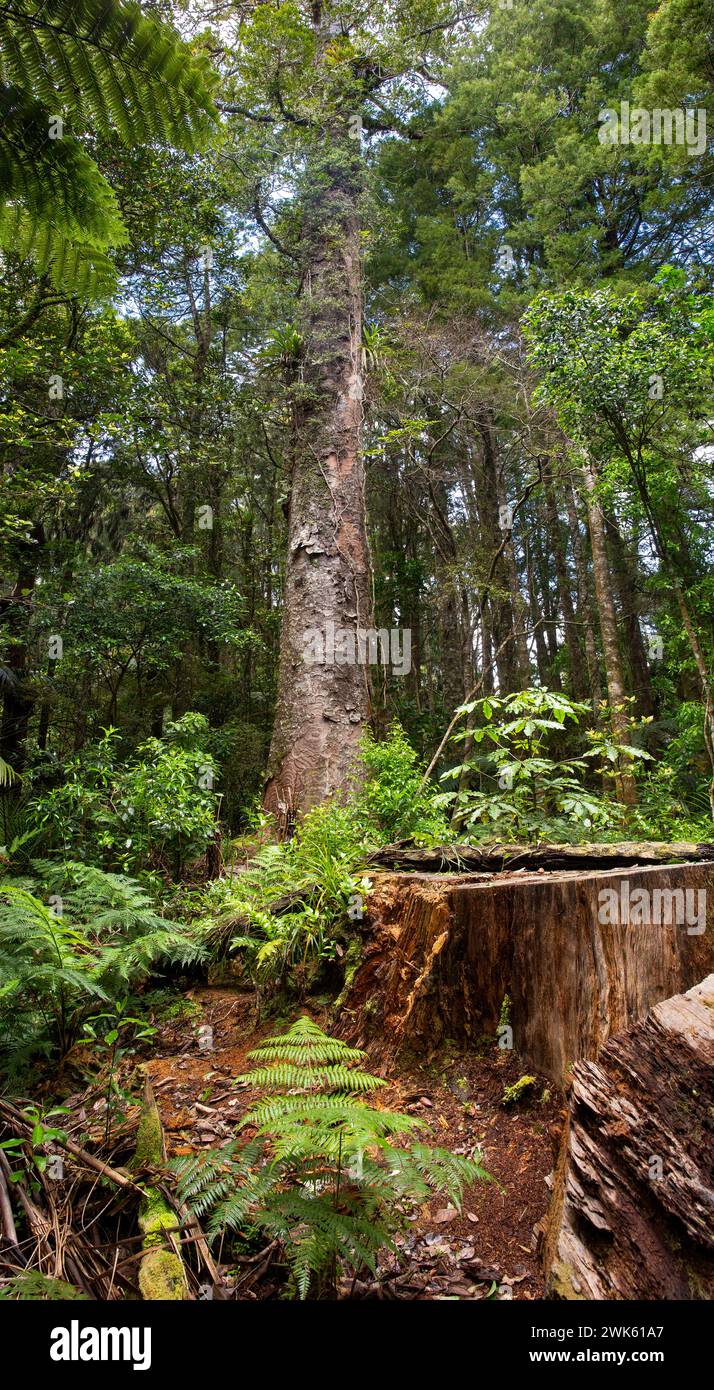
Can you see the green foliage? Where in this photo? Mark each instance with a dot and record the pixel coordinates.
(512, 155)
(158, 809)
(524, 793)
(677, 70)
(137, 613)
(113, 1031)
(71, 939)
(322, 1175)
(395, 803)
(673, 800)
(32, 1285)
(96, 63)
(515, 1093)
(7, 774)
(601, 352)
(288, 911)
(295, 907)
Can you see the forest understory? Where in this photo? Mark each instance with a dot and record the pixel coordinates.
(356, 652)
(486, 1250)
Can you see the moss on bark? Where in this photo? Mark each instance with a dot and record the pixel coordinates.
(161, 1272)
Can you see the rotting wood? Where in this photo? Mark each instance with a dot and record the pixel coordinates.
(442, 951)
(633, 1198)
(494, 858)
(161, 1272)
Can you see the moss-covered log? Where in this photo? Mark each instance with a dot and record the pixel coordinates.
(490, 859)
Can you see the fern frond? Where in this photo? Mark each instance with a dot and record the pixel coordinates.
(100, 64)
(106, 62)
(8, 775)
(331, 1189)
(302, 1053)
(287, 1076)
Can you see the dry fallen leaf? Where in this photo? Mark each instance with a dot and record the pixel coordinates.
(446, 1215)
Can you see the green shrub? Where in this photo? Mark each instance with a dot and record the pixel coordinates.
(291, 909)
(674, 793)
(525, 791)
(296, 906)
(394, 803)
(157, 809)
(32, 1285)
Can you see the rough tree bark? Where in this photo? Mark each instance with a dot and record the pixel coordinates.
(634, 1185)
(322, 706)
(441, 952)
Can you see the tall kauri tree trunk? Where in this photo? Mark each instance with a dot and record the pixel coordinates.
(626, 790)
(322, 706)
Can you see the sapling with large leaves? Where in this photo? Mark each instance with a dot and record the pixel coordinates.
(525, 791)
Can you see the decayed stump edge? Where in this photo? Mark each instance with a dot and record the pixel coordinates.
(633, 1196)
(493, 858)
(441, 951)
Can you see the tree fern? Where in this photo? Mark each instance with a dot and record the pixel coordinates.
(98, 64)
(322, 1175)
(106, 62)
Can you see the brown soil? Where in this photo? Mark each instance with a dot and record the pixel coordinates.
(447, 1254)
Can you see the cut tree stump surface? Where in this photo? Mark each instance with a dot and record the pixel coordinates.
(496, 857)
(443, 950)
(633, 1205)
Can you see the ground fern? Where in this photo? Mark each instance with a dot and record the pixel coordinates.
(323, 1174)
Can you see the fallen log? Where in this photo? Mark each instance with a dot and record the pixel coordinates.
(633, 1200)
(442, 952)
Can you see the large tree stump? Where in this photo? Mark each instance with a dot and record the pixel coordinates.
(633, 1205)
(444, 950)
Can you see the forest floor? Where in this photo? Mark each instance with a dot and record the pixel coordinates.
(487, 1250)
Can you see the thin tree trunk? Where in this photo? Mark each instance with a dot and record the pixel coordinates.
(626, 580)
(575, 657)
(627, 792)
(663, 551)
(501, 615)
(586, 603)
(16, 609)
(542, 656)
